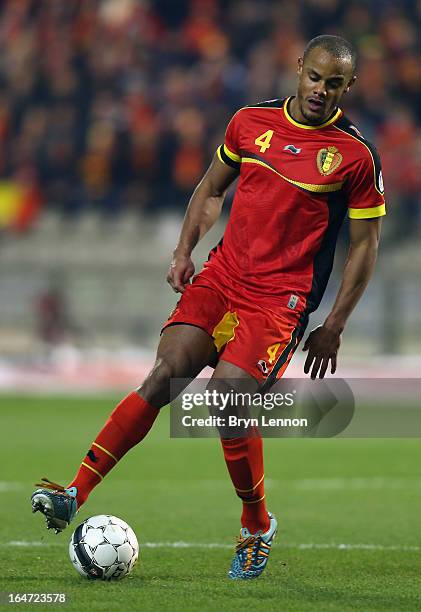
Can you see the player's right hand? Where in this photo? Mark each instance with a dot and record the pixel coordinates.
(180, 272)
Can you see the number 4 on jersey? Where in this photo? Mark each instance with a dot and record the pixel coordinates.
(263, 141)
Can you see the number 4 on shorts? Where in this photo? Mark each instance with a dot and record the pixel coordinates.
(272, 350)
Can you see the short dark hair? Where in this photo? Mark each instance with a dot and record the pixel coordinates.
(337, 46)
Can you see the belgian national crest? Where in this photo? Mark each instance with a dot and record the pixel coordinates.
(328, 160)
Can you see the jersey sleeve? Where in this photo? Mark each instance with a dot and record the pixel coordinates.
(365, 188)
(228, 152)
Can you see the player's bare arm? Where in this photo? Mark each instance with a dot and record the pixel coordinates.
(323, 342)
(202, 213)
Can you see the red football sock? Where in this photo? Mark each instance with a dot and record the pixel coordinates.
(244, 459)
(127, 426)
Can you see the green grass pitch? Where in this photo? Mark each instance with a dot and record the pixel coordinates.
(325, 493)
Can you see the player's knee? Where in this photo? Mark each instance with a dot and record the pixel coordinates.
(230, 395)
(157, 386)
(218, 389)
(163, 370)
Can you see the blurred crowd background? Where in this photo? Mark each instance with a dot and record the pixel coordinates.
(119, 104)
(110, 112)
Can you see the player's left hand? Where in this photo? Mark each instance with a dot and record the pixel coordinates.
(322, 345)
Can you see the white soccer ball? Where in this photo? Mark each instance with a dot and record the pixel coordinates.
(103, 548)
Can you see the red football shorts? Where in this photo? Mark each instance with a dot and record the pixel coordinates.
(252, 337)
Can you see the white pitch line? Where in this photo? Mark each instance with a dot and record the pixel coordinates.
(7, 486)
(353, 547)
(300, 484)
(376, 482)
(220, 545)
(28, 544)
(202, 545)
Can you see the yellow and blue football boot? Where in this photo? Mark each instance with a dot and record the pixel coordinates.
(252, 552)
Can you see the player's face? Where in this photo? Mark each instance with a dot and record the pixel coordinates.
(322, 81)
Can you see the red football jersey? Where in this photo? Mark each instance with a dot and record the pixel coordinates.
(296, 184)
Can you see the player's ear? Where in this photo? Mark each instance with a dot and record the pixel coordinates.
(300, 66)
(350, 83)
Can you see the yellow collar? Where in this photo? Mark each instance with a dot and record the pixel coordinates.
(334, 117)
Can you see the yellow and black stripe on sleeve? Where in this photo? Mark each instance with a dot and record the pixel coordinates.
(367, 213)
(228, 157)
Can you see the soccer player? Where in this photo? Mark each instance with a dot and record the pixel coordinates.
(302, 165)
